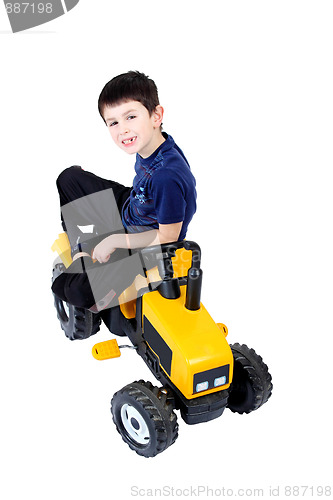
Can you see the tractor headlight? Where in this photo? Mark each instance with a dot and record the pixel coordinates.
(210, 379)
(202, 386)
(220, 381)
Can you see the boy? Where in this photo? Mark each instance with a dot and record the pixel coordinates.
(156, 210)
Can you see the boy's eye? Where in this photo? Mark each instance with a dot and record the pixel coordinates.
(111, 124)
(130, 117)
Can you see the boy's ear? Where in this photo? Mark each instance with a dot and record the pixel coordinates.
(158, 116)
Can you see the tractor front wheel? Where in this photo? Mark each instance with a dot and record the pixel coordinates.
(144, 416)
(251, 384)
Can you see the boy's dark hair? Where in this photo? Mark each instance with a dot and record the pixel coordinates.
(130, 86)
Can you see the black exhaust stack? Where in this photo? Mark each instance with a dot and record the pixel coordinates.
(194, 277)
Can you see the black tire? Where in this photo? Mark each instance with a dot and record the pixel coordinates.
(251, 385)
(144, 417)
(76, 322)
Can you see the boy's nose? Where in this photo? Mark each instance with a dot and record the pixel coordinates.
(124, 130)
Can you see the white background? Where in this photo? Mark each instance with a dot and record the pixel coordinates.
(247, 92)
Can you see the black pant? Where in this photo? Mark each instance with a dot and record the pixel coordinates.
(85, 284)
(74, 187)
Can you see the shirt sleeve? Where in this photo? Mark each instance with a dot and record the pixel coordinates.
(168, 196)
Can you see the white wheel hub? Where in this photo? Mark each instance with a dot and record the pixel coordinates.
(134, 424)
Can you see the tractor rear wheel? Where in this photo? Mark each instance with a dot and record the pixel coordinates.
(76, 322)
(144, 417)
(251, 385)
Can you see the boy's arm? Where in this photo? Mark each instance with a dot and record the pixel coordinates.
(166, 233)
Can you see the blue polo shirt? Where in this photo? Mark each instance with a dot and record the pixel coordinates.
(163, 190)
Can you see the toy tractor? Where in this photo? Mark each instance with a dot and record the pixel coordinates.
(200, 373)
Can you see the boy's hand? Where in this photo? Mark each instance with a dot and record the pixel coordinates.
(103, 250)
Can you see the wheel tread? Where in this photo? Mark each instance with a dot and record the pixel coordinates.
(257, 371)
(159, 416)
(82, 323)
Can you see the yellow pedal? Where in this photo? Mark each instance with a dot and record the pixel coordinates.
(223, 328)
(106, 350)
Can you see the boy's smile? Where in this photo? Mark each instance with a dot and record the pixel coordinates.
(133, 129)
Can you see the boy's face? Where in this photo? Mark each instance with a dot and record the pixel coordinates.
(132, 129)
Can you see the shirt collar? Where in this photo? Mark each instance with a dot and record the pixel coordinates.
(149, 161)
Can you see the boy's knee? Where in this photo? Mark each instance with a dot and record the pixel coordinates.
(68, 175)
